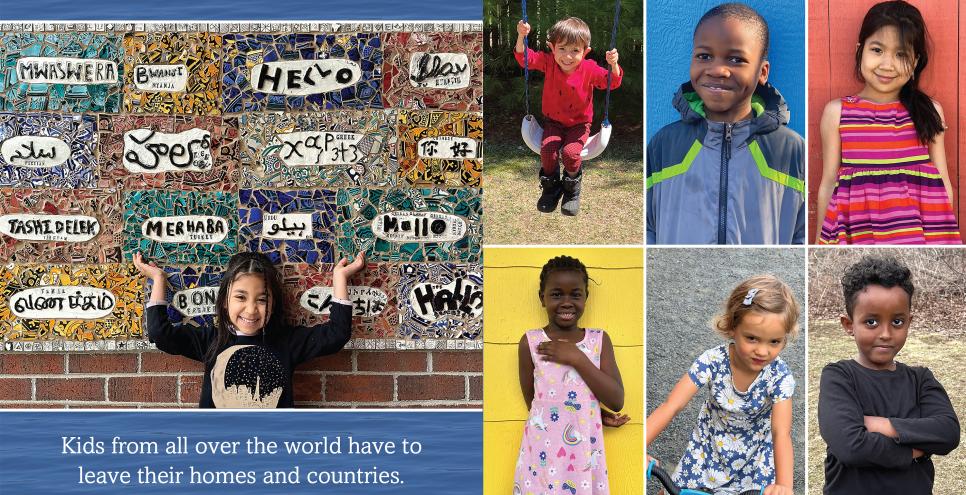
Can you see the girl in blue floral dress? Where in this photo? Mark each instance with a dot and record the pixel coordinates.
(742, 440)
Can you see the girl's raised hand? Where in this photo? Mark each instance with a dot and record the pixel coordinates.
(344, 269)
(612, 419)
(150, 269)
(561, 351)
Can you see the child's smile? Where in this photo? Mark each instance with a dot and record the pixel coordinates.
(759, 338)
(568, 57)
(248, 304)
(726, 68)
(886, 65)
(564, 297)
(880, 325)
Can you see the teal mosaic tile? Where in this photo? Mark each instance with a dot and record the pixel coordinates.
(181, 227)
(64, 72)
(410, 224)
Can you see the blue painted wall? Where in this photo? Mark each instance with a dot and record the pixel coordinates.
(670, 25)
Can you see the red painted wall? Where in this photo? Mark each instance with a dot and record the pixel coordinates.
(833, 31)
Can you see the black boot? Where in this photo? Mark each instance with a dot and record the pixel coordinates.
(571, 194)
(551, 192)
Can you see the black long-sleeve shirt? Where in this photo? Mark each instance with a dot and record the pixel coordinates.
(861, 462)
(251, 371)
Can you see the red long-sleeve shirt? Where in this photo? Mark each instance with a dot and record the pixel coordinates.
(568, 98)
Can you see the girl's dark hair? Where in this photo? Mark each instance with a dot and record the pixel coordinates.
(562, 264)
(912, 34)
(244, 264)
(884, 271)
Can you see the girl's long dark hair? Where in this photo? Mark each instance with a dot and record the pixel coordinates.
(912, 34)
(244, 264)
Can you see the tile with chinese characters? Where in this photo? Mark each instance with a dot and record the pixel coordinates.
(440, 148)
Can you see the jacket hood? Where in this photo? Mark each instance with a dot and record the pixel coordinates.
(767, 104)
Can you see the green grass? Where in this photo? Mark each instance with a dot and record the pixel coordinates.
(611, 203)
(943, 355)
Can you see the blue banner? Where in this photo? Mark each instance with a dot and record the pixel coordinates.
(186, 452)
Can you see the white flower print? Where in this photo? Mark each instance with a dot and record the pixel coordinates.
(787, 387)
(729, 399)
(714, 478)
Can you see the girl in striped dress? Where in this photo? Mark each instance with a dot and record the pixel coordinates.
(884, 179)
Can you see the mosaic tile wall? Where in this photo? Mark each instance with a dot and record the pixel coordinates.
(190, 142)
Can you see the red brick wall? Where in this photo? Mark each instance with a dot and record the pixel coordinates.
(351, 378)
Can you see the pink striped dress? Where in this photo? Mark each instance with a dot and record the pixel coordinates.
(888, 190)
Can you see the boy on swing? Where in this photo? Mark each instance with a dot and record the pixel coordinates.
(568, 106)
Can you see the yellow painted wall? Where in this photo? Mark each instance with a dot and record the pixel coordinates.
(511, 306)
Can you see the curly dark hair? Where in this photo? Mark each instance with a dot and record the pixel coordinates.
(562, 264)
(747, 15)
(884, 271)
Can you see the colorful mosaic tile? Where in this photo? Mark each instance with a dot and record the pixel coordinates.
(425, 137)
(326, 149)
(47, 150)
(192, 292)
(172, 73)
(410, 224)
(440, 300)
(373, 293)
(181, 227)
(156, 152)
(70, 302)
(288, 226)
(71, 72)
(63, 226)
(301, 72)
(434, 70)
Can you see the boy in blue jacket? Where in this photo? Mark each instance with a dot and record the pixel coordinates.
(730, 171)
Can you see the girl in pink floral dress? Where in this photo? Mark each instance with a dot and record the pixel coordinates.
(566, 374)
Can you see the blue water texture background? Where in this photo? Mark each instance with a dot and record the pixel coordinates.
(31, 459)
(252, 10)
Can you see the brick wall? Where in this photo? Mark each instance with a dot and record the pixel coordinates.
(351, 378)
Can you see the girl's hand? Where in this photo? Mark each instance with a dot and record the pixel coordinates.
(344, 270)
(561, 351)
(612, 419)
(150, 270)
(611, 56)
(778, 490)
(523, 28)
